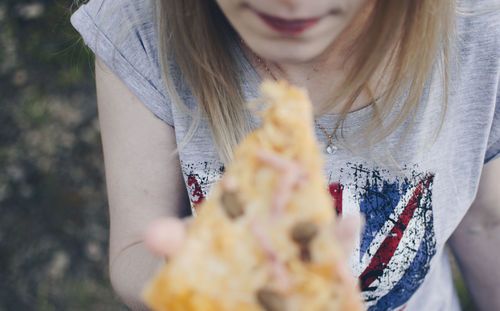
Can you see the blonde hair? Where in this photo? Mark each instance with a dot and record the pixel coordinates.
(197, 37)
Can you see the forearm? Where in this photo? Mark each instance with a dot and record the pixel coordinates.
(130, 272)
(477, 249)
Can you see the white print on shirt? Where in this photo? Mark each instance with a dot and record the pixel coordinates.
(394, 252)
(199, 178)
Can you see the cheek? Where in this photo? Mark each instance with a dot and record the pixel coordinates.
(351, 5)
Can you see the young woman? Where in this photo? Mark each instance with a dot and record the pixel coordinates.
(406, 100)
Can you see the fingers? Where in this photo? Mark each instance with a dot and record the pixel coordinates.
(165, 236)
(348, 230)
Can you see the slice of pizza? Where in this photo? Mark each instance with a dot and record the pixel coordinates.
(264, 238)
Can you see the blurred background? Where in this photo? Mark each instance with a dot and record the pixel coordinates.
(54, 218)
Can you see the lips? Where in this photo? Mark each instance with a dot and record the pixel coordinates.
(288, 26)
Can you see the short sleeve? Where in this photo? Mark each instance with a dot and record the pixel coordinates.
(122, 34)
(493, 148)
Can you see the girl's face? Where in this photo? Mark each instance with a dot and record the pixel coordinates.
(290, 31)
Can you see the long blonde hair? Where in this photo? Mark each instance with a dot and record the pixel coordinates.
(197, 37)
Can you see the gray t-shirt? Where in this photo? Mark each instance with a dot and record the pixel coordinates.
(411, 208)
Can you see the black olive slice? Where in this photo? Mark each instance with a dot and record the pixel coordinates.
(231, 204)
(271, 300)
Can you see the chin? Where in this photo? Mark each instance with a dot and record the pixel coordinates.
(289, 52)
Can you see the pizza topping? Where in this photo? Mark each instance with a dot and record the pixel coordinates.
(270, 300)
(231, 204)
(305, 254)
(279, 272)
(292, 175)
(302, 234)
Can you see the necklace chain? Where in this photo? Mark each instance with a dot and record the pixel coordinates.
(331, 148)
(330, 136)
(266, 67)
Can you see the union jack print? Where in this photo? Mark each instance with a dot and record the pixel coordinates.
(398, 241)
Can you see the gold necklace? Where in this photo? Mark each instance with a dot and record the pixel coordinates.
(330, 148)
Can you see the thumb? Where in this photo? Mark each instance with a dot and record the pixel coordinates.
(348, 229)
(165, 236)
